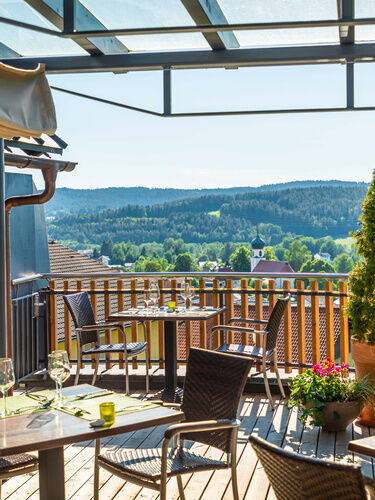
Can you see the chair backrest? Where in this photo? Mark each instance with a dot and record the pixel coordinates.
(297, 477)
(213, 387)
(274, 321)
(80, 308)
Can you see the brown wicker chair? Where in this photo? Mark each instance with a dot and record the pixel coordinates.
(88, 332)
(298, 477)
(16, 465)
(213, 387)
(269, 339)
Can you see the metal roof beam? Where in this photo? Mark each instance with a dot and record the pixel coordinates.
(53, 11)
(144, 61)
(209, 12)
(346, 12)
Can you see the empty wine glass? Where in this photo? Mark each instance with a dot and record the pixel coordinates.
(7, 380)
(191, 297)
(185, 291)
(154, 295)
(59, 371)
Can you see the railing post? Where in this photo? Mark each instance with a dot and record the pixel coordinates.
(67, 325)
(287, 330)
(258, 315)
(107, 312)
(330, 341)
(315, 323)
(202, 324)
(244, 310)
(95, 309)
(188, 328)
(216, 304)
(147, 333)
(161, 325)
(271, 305)
(133, 304)
(230, 307)
(53, 318)
(344, 324)
(120, 307)
(301, 326)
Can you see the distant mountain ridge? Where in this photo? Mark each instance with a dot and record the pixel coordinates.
(67, 200)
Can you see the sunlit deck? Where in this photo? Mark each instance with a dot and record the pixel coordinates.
(280, 427)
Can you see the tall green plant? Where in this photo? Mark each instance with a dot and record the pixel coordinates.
(361, 304)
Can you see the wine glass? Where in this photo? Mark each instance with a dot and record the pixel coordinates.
(7, 380)
(147, 299)
(59, 371)
(191, 297)
(185, 291)
(154, 295)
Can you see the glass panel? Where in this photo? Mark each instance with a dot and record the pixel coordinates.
(165, 42)
(21, 11)
(258, 11)
(364, 8)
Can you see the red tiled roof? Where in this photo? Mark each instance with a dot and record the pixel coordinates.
(273, 266)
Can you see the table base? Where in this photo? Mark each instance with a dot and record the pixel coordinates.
(51, 474)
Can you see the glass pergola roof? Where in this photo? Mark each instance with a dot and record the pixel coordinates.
(97, 15)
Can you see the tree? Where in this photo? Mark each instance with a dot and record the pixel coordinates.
(151, 266)
(343, 263)
(107, 247)
(241, 260)
(279, 252)
(168, 244)
(269, 253)
(118, 256)
(317, 266)
(329, 246)
(227, 251)
(95, 254)
(185, 262)
(297, 254)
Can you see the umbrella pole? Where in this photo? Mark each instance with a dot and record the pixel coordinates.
(3, 272)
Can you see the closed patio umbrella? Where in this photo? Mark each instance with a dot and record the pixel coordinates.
(27, 110)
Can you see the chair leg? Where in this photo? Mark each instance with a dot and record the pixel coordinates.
(96, 370)
(1, 483)
(147, 372)
(96, 470)
(266, 383)
(78, 369)
(126, 374)
(180, 488)
(234, 480)
(278, 376)
(163, 489)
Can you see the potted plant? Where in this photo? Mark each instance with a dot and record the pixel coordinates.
(361, 303)
(327, 395)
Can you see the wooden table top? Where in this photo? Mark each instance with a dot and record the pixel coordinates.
(364, 446)
(54, 428)
(139, 314)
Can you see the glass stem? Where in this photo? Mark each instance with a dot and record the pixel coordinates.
(5, 401)
(60, 391)
(57, 389)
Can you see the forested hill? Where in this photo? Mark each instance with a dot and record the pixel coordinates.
(68, 200)
(313, 211)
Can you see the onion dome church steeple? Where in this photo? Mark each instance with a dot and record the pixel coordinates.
(257, 250)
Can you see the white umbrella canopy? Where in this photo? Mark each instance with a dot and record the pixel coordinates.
(26, 104)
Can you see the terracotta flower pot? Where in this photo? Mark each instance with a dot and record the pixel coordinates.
(337, 416)
(363, 356)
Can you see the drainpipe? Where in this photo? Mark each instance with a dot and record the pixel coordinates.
(49, 175)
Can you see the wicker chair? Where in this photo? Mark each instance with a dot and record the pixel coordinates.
(268, 349)
(16, 465)
(297, 477)
(213, 387)
(88, 332)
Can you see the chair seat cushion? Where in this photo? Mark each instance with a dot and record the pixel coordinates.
(146, 463)
(131, 348)
(12, 463)
(244, 350)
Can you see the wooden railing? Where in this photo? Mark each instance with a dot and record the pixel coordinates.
(314, 326)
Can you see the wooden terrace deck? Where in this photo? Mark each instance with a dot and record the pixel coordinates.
(280, 427)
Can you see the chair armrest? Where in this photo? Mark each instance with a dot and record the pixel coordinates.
(249, 321)
(200, 426)
(227, 328)
(369, 487)
(103, 326)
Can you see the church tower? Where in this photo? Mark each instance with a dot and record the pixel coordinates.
(257, 250)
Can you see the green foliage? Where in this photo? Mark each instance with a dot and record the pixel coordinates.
(323, 384)
(151, 266)
(297, 254)
(241, 260)
(185, 262)
(107, 247)
(317, 266)
(343, 263)
(361, 304)
(269, 253)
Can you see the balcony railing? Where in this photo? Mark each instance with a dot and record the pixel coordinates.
(314, 326)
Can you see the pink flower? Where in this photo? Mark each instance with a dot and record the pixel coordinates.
(344, 365)
(316, 368)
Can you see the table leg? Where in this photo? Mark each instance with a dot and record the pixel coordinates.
(51, 474)
(170, 349)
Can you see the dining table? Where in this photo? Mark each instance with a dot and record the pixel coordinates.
(171, 320)
(48, 431)
(363, 446)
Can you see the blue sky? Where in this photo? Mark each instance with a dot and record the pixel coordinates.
(116, 147)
